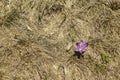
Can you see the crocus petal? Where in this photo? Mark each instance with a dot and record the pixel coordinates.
(83, 50)
(80, 52)
(84, 46)
(79, 43)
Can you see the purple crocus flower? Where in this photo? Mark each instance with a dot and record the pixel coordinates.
(81, 47)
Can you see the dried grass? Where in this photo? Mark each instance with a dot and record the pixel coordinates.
(37, 39)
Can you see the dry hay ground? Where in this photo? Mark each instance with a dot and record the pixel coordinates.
(37, 39)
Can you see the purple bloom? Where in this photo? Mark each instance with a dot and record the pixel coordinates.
(81, 47)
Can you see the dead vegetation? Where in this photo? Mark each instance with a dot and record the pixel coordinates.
(37, 39)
